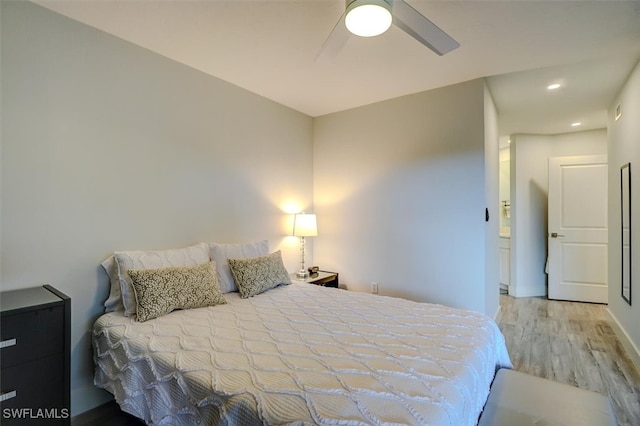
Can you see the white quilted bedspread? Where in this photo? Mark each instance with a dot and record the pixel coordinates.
(302, 354)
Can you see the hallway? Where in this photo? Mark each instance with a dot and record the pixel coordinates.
(571, 343)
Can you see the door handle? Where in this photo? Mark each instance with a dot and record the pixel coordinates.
(556, 235)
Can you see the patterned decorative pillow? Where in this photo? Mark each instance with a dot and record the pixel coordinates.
(220, 252)
(160, 291)
(258, 274)
(153, 259)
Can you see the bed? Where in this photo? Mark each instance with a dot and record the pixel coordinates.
(301, 354)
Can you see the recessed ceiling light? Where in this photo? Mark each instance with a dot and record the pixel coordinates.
(576, 124)
(618, 112)
(554, 86)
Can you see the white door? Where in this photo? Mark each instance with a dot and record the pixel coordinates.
(577, 238)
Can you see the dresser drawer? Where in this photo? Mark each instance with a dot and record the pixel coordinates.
(35, 357)
(31, 335)
(36, 386)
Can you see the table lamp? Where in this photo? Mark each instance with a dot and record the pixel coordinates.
(304, 225)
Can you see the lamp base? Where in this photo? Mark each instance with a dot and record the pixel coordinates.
(302, 274)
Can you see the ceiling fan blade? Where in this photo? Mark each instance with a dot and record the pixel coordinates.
(417, 26)
(334, 43)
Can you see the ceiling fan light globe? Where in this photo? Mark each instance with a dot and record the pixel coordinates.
(368, 18)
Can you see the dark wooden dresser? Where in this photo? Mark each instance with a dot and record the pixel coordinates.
(35, 357)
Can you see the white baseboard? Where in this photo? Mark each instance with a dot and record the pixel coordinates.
(525, 291)
(497, 314)
(629, 346)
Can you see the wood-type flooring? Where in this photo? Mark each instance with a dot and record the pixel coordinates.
(571, 343)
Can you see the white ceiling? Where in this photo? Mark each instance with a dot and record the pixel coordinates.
(269, 47)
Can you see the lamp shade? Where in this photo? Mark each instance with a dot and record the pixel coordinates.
(368, 18)
(304, 225)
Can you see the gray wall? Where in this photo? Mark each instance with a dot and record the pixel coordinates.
(400, 188)
(529, 192)
(624, 147)
(492, 189)
(1, 127)
(107, 146)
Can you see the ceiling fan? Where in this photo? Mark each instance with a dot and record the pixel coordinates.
(368, 18)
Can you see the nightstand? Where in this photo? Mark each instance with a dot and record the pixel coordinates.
(35, 350)
(323, 278)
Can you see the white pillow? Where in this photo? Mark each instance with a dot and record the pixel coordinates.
(187, 256)
(220, 252)
(114, 301)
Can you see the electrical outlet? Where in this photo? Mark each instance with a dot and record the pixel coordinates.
(374, 287)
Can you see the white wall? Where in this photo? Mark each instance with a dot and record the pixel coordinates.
(624, 147)
(399, 188)
(1, 115)
(492, 190)
(107, 146)
(529, 190)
